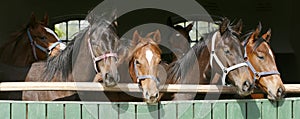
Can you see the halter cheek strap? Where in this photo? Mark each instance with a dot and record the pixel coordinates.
(257, 75)
(225, 70)
(45, 50)
(142, 77)
(99, 58)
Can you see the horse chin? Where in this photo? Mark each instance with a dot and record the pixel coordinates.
(151, 101)
(110, 82)
(244, 93)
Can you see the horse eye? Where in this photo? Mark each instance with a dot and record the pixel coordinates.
(137, 62)
(227, 51)
(43, 38)
(261, 57)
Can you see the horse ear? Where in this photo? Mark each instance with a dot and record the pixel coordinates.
(189, 27)
(33, 21)
(257, 30)
(136, 37)
(224, 25)
(238, 27)
(267, 36)
(46, 19)
(156, 36)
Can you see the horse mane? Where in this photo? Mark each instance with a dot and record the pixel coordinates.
(61, 63)
(180, 67)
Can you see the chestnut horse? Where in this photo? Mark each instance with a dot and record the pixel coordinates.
(93, 52)
(218, 56)
(262, 65)
(145, 57)
(33, 43)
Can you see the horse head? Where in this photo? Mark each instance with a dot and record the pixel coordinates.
(143, 65)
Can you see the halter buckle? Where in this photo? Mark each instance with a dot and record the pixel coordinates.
(257, 76)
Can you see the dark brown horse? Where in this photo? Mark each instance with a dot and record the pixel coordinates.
(180, 40)
(32, 43)
(218, 56)
(262, 65)
(145, 56)
(93, 56)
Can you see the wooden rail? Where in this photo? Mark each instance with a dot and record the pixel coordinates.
(125, 87)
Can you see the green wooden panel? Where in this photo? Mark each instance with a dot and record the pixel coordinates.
(89, 111)
(127, 111)
(72, 111)
(55, 111)
(168, 111)
(36, 111)
(185, 110)
(202, 110)
(18, 111)
(108, 111)
(269, 109)
(284, 109)
(219, 110)
(254, 110)
(296, 109)
(236, 110)
(4, 110)
(147, 111)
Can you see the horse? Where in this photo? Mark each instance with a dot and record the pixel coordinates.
(180, 40)
(93, 56)
(144, 58)
(217, 56)
(261, 61)
(34, 42)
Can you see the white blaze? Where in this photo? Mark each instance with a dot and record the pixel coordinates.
(149, 55)
(51, 32)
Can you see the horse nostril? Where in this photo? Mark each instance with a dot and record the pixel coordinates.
(279, 92)
(246, 86)
(153, 97)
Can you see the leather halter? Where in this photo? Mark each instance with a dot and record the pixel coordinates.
(225, 70)
(142, 77)
(35, 45)
(257, 74)
(99, 58)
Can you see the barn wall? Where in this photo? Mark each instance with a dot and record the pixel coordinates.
(281, 16)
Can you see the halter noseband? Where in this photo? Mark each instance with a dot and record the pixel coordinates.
(224, 69)
(99, 58)
(35, 45)
(142, 77)
(257, 75)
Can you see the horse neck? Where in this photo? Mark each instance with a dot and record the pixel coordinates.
(180, 69)
(17, 51)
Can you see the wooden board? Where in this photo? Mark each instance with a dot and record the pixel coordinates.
(199, 109)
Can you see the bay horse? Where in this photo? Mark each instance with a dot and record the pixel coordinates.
(92, 56)
(34, 42)
(217, 56)
(261, 61)
(144, 58)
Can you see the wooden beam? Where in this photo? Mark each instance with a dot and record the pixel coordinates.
(125, 87)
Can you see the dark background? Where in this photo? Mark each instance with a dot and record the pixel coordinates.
(281, 16)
